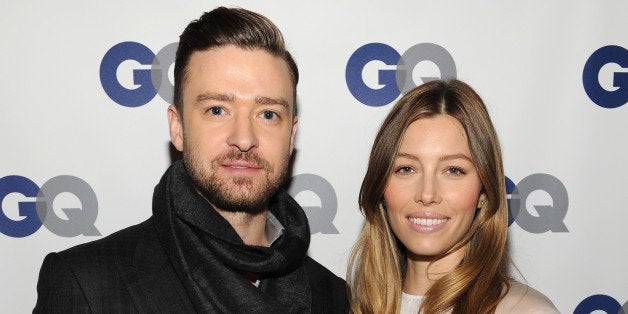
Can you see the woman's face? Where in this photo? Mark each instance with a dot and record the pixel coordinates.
(434, 189)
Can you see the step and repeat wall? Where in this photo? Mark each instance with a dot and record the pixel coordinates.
(85, 86)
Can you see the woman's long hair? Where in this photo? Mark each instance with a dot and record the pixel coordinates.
(377, 262)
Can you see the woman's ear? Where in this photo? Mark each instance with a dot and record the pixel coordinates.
(482, 201)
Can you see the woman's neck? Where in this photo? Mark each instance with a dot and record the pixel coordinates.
(423, 271)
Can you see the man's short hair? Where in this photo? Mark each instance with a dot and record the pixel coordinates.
(230, 26)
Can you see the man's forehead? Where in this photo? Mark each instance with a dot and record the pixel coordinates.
(204, 80)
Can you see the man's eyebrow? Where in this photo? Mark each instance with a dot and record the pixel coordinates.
(214, 96)
(263, 100)
(229, 97)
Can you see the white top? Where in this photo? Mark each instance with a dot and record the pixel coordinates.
(410, 303)
(520, 299)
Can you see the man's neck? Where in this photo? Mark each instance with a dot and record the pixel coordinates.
(250, 227)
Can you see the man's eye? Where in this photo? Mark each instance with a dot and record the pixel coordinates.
(269, 115)
(216, 111)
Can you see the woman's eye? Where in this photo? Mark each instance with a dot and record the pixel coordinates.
(404, 169)
(216, 111)
(455, 171)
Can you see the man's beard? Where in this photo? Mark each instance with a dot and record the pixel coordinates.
(236, 194)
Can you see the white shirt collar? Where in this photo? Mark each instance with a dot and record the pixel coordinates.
(274, 229)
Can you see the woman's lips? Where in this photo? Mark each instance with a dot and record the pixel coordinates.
(427, 222)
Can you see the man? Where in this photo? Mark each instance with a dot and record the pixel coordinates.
(223, 237)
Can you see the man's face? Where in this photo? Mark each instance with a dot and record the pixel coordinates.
(237, 128)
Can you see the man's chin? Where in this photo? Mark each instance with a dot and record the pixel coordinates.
(240, 198)
(240, 205)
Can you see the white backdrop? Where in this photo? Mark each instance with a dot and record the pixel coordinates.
(564, 150)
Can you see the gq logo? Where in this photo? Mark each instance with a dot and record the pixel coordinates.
(321, 217)
(149, 73)
(40, 211)
(601, 302)
(392, 73)
(550, 217)
(615, 94)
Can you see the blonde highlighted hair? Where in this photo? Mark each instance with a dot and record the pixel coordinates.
(377, 262)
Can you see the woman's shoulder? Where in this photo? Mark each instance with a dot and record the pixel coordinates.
(522, 298)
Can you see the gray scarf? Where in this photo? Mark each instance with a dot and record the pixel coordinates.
(209, 257)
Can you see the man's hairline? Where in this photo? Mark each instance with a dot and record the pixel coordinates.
(184, 76)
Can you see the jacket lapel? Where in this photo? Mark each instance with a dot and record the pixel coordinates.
(150, 279)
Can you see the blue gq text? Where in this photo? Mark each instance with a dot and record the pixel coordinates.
(149, 73)
(616, 93)
(600, 302)
(40, 211)
(393, 72)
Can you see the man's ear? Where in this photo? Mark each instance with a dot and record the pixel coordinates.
(175, 124)
(293, 132)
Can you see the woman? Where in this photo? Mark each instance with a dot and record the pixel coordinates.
(434, 239)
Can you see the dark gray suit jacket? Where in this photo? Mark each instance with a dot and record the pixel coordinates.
(128, 272)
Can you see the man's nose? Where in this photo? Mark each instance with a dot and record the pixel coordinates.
(242, 134)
